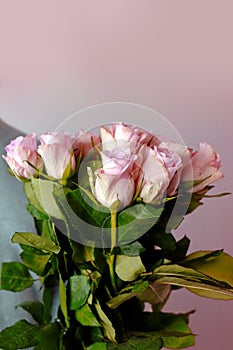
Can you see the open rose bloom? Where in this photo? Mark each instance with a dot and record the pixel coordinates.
(136, 164)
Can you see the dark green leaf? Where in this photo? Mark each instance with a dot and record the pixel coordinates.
(165, 241)
(136, 220)
(39, 215)
(46, 229)
(21, 335)
(49, 337)
(85, 316)
(176, 334)
(35, 308)
(140, 341)
(133, 249)
(81, 253)
(173, 329)
(63, 301)
(79, 291)
(33, 240)
(31, 250)
(15, 277)
(98, 346)
(47, 300)
(86, 209)
(181, 250)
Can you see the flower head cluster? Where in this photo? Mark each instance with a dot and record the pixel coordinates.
(135, 163)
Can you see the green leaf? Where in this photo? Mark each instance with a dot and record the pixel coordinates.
(140, 341)
(21, 335)
(44, 194)
(128, 268)
(86, 209)
(136, 288)
(171, 328)
(81, 253)
(79, 291)
(177, 334)
(106, 323)
(39, 215)
(133, 249)
(98, 346)
(33, 240)
(63, 301)
(35, 309)
(85, 316)
(35, 263)
(49, 337)
(136, 220)
(47, 300)
(15, 277)
(31, 195)
(119, 299)
(194, 281)
(165, 241)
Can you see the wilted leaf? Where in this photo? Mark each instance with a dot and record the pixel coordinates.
(106, 323)
(155, 294)
(193, 280)
(215, 264)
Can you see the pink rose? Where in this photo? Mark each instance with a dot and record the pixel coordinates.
(204, 166)
(118, 136)
(153, 176)
(83, 142)
(124, 135)
(114, 181)
(20, 151)
(176, 157)
(57, 152)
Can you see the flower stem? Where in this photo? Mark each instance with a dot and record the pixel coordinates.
(111, 260)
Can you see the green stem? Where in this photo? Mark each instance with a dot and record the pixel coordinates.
(113, 230)
(111, 260)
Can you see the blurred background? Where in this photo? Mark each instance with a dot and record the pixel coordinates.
(57, 57)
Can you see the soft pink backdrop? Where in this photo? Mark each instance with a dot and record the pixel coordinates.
(174, 56)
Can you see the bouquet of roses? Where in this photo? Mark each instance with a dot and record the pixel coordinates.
(105, 205)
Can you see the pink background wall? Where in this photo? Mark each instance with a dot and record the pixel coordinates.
(174, 56)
